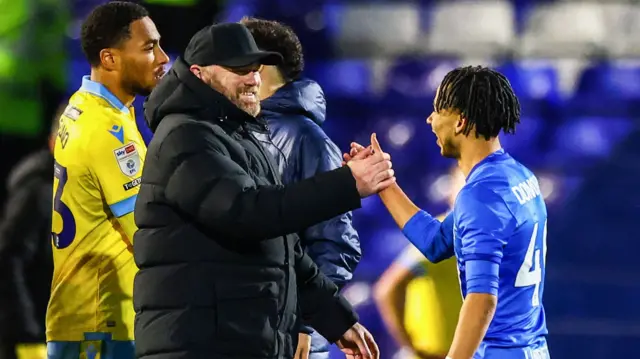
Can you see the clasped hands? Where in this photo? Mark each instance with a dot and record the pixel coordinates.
(370, 166)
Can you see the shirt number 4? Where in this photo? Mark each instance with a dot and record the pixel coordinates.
(530, 272)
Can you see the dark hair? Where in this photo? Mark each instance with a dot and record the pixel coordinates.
(107, 26)
(278, 37)
(484, 97)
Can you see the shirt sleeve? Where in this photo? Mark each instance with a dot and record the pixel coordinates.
(482, 276)
(434, 239)
(117, 168)
(483, 225)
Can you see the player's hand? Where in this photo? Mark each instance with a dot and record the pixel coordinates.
(356, 151)
(375, 144)
(373, 173)
(304, 346)
(358, 343)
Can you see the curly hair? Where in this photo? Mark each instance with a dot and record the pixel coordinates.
(107, 26)
(278, 37)
(484, 97)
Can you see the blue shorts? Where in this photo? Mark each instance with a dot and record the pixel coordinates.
(94, 346)
(536, 351)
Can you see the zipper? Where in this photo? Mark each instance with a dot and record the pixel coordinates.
(256, 142)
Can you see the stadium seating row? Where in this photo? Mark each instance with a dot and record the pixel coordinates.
(468, 28)
(486, 28)
(538, 79)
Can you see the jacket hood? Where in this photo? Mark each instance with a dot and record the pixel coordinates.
(181, 92)
(304, 97)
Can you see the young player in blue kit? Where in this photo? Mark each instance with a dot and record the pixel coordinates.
(497, 229)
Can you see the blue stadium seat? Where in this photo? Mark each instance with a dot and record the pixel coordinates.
(587, 138)
(415, 77)
(524, 144)
(411, 84)
(610, 80)
(607, 90)
(349, 78)
(532, 80)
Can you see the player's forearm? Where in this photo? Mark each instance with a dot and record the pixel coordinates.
(475, 317)
(398, 204)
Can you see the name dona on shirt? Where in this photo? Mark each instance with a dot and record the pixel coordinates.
(527, 190)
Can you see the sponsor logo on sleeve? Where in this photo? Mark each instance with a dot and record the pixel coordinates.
(133, 184)
(128, 159)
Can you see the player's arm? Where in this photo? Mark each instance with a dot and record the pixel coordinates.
(390, 293)
(222, 197)
(433, 238)
(116, 166)
(484, 223)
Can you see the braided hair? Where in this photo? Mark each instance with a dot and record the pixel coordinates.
(484, 97)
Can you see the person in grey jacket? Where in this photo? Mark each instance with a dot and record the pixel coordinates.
(294, 109)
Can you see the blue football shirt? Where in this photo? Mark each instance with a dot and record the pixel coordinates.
(497, 229)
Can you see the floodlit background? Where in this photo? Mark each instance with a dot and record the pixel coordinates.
(574, 65)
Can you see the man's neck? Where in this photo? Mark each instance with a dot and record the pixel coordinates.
(113, 86)
(272, 81)
(475, 152)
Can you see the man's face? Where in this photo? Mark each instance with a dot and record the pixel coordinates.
(447, 126)
(240, 85)
(142, 58)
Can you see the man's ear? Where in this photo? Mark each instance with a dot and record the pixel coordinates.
(195, 70)
(461, 124)
(109, 59)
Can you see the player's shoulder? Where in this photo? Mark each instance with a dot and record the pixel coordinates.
(92, 115)
(478, 194)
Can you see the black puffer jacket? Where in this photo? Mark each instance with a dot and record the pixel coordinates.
(26, 264)
(220, 275)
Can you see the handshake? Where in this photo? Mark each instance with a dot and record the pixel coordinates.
(370, 166)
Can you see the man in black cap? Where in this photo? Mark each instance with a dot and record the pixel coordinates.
(221, 274)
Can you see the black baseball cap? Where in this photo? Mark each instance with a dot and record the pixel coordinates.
(228, 44)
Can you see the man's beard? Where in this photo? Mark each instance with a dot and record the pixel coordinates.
(252, 110)
(234, 96)
(137, 88)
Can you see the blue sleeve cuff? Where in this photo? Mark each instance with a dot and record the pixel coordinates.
(124, 207)
(421, 230)
(482, 276)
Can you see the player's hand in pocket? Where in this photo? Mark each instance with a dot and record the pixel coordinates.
(304, 346)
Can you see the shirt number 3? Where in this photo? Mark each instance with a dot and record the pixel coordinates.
(530, 272)
(65, 237)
